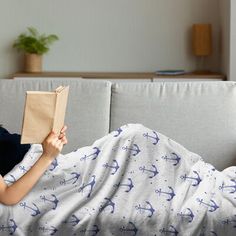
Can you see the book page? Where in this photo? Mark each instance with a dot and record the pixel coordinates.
(61, 103)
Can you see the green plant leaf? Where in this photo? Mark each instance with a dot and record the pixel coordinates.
(33, 32)
(34, 42)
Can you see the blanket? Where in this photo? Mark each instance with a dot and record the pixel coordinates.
(133, 181)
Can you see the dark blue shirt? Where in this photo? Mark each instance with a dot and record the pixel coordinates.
(11, 151)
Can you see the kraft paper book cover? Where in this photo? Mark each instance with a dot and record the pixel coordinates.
(44, 111)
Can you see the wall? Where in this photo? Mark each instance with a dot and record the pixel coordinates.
(225, 36)
(232, 40)
(109, 35)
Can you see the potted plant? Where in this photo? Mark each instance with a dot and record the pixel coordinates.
(34, 46)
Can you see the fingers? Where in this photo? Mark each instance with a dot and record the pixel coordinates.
(64, 140)
(62, 132)
(64, 128)
(51, 136)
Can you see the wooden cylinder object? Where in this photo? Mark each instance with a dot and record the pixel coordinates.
(33, 62)
(202, 39)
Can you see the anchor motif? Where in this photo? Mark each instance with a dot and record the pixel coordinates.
(91, 184)
(51, 230)
(132, 229)
(75, 177)
(213, 233)
(227, 222)
(171, 230)
(233, 187)
(94, 155)
(154, 172)
(129, 185)
(176, 159)
(149, 208)
(156, 138)
(212, 207)
(35, 211)
(108, 203)
(22, 168)
(115, 167)
(197, 179)
(55, 201)
(74, 220)
(11, 228)
(10, 181)
(94, 231)
(188, 215)
(170, 194)
(54, 164)
(135, 149)
(119, 130)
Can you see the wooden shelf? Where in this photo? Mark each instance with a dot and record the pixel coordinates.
(119, 75)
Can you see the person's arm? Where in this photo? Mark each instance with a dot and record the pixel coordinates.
(52, 146)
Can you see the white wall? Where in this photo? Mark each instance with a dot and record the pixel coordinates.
(109, 35)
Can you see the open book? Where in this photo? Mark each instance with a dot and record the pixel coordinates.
(44, 112)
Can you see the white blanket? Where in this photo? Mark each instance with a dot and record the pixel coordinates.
(133, 181)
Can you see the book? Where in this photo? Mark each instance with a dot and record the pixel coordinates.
(170, 72)
(44, 112)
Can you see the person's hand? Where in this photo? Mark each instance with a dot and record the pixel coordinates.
(53, 143)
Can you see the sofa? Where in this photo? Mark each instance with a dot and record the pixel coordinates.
(199, 115)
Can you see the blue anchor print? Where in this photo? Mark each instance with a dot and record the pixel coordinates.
(52, 230)
(170, 194)
(90, 184)
(149, 208)
(188, 215)
(227, 222)
(212, 207)
(94, 155)
(135, 149)
(35, 211)
(213, 233)
(74, 220)
(107, 204)
(133, 228)
(54, 164)
(10, 181)
(22, 168)
(232, 187)
(115, 167)
(197, 178)
(94, 231)
(171, 230)
(11, 228)
(153, 172)
(129, 185)
(155, 138)
(75, 177)
(54, 201)
(176, 159)
(119, 130)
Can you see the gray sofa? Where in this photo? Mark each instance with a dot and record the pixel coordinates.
(199, 115)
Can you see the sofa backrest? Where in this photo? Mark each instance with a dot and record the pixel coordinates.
(199, 115)
(88, 110)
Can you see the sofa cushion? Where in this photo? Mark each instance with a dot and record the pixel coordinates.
(199, 115)
(87, 115)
